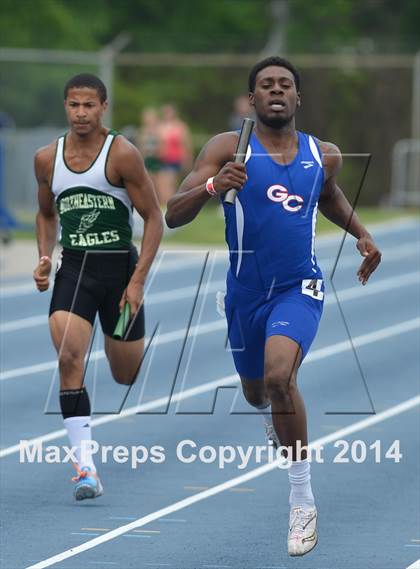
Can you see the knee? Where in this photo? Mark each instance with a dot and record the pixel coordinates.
(124, 379)
(255, 394)
(124, 376)
(280, 382)
(70, 361)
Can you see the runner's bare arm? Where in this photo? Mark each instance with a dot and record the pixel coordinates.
(129, 166)
(335, 206)
(46, 218)
(215, 159)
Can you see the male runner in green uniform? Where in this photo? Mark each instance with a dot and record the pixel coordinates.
(92, 177)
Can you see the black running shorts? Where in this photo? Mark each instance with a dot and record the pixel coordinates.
(91, 282)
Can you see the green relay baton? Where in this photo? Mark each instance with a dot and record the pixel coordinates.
(122, 324)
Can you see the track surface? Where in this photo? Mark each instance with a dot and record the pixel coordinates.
(368, 511)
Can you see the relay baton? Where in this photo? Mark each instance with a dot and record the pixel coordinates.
(240, 155)
(123, 322)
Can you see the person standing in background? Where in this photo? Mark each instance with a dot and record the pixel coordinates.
(149, 143)
(175, 154)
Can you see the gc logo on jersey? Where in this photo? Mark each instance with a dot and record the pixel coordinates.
(280, 194)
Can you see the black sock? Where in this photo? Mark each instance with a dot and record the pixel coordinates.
(74, 403)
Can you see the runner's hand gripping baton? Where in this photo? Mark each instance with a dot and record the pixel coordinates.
(123, 322)
(240, 155)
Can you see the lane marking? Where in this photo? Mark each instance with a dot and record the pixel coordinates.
(350, 293)
(391, 254)
(231, 483)
(415, 565)
(18, 288)
(166, 338)
(316, 355)
(21, 289)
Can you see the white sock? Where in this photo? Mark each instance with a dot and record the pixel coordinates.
(300, 485)
(78, 430)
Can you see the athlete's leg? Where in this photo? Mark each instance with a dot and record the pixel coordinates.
(254, 392)
(283, 356)
(167, 185)
(72, 312)
(282, 359)
(124, 359)
(71, 335)
(290, 331)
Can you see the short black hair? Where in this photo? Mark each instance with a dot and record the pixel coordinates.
(87, 80)
(267, 62)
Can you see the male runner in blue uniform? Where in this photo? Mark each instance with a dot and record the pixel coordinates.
(275, 289)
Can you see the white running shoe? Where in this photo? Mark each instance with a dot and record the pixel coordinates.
(271, 434)
(302, 531)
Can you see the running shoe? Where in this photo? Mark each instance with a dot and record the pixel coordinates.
(302, 536)
(88, 484)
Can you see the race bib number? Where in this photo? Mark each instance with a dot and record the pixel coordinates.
(312, 287)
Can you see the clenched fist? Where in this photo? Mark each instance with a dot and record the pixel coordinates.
(42, 274)
(231, 176)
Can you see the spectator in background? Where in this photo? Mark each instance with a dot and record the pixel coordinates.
(149, 143)
(175, 152)
(241, 110)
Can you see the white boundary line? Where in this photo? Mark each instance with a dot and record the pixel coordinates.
(316, 355)
(350, 293)
(18, 288)
(415, 565)
(219, 488)
(391, 254)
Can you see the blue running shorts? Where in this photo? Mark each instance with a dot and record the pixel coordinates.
(254, 316)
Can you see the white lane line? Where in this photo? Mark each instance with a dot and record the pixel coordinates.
(374, 287)
(350, 293)
(415, 565)
(24, 323)
(155, 298)
(391, 254)
(316, 355)
(364, 339)
(166, 338)
(233, 482)
(19, 289)
(197, 258)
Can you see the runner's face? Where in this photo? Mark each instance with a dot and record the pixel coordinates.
(84, 110)
(275, 97)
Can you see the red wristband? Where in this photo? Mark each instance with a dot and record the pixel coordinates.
(210, 187)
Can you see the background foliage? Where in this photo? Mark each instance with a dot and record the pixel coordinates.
(362, 110)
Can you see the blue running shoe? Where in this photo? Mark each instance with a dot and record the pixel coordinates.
(88, 484)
